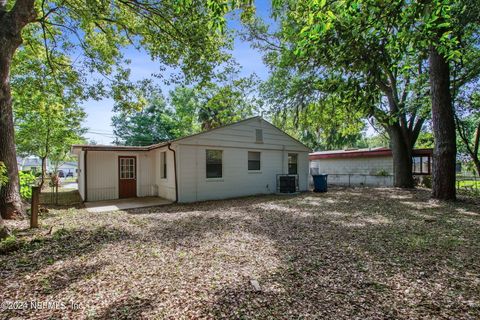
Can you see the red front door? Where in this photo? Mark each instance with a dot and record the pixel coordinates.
(127, 177)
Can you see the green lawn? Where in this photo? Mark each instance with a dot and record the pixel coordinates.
(354, 253)
(468, 185)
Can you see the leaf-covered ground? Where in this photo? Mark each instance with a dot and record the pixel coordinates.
(355, 253)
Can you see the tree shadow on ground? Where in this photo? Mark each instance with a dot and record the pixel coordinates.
(63, 244)
(344, 254)
(126, 308)
(401, 266)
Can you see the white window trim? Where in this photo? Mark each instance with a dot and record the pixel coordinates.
(255, 171)
(216, 179)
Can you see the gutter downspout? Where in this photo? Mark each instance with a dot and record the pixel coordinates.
(174, 170)
(85, 175)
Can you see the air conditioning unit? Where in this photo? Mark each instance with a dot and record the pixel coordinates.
(287, 183)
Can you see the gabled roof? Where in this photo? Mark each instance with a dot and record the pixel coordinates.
(86, 147)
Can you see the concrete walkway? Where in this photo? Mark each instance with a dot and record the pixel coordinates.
(123, 204)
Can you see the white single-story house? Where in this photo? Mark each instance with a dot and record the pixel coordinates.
(248, 157)
(369, 167)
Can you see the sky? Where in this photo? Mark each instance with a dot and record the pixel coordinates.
(99, 113)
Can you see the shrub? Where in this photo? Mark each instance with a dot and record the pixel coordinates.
(27, 180)
(383, 173)
(9, 244)
(427, 181)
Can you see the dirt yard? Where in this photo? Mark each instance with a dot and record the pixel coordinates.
(363, 253)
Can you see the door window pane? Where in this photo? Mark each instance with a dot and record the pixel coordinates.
(127, 168)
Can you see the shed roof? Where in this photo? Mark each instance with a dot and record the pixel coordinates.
(362, 153)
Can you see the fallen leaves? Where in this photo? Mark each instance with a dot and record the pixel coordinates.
(348, 253)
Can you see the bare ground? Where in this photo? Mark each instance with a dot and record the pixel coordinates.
(355, 253)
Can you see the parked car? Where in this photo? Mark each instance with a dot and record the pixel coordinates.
(70, 175)
(61, 174)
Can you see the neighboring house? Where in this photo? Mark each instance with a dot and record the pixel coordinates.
(31, 163)
(244, 158)
(69, 167)
(371, 167)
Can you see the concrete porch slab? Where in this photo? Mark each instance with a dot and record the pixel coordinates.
(123, 204)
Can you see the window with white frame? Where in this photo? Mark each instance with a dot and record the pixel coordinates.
(292, 163)
(163, 164)
(214, 163)
(253, 161)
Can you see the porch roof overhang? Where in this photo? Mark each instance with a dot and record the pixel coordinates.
(76, 148)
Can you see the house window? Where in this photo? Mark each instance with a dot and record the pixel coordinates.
(258, 135)
(214, 163)
(163, 163)
(292, 163)
(253, 160)
(421, 165)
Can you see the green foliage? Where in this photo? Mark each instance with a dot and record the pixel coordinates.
(468, 125)
(46, 106)
(227, 102)
(153, 124)
(427, 182)
(10, 244)
(425, 140)
(319, 120)
(27, 180)
(346, 56)
(3, 174)
(188, 110)
(185, 103)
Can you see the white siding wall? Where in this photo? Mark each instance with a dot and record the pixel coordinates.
(235, 142)
(166, 187)
(80, 176)
(102, 174)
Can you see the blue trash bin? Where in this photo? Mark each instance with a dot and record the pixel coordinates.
(320, 182)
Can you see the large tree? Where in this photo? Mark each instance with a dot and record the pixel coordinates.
(450, 30)
(321, 121)
(356, 44)
(467, 119)
(47, 113)
(227, 102)
(186, 33)
(152, 124)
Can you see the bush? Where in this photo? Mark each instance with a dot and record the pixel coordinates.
(27, 180)
(427, 181)
(9, 244)
(383, 173)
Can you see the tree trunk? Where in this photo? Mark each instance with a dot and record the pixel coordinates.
(11, 25)
(476, 161)
(44, 172)
(443, 124)
(10, 200)
(402, 158)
